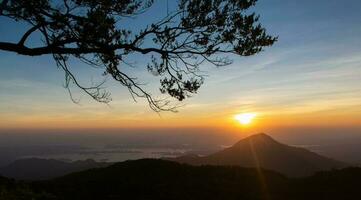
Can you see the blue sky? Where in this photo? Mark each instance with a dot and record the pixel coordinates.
(313, 70)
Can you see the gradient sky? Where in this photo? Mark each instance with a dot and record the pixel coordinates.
(310, 77)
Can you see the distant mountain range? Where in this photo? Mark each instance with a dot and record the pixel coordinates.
(257, 151)
(41, 169)
(262, 151)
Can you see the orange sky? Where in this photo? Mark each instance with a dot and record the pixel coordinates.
(100, 116)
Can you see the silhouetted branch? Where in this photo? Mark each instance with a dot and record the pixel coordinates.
(196, 32)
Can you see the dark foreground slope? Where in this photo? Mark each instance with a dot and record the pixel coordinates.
(263, 151)
(157, 179)
(165, 180)
(42, 169)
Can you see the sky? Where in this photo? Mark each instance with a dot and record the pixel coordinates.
(309, 78)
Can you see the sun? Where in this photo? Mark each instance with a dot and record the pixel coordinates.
(245, 118)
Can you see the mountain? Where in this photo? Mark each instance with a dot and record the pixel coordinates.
(154, 179)
(40, 169)
(162, 180)
(262, 151)
(255, 151)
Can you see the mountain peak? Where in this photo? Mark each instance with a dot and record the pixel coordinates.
(259, 138)
(261, 150)
(260, 135)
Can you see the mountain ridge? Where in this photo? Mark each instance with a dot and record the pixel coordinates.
(156, 179)
(262, 151)
(41, 169)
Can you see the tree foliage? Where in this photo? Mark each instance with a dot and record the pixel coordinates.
(196, 31)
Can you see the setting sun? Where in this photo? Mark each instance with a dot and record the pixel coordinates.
(245, 118)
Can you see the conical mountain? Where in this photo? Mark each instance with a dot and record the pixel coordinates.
(262, 151)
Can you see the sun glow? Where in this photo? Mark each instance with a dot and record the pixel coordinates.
(245, 118)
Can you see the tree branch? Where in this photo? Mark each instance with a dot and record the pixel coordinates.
(28, 33)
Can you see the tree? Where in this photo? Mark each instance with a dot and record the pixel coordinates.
(90, 30)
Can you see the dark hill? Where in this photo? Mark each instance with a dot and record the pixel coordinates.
(41, 169)
(164, 180)
(150, 179)
(262, 151)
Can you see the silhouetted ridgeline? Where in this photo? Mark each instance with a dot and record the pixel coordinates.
(163, 180)
(221, 175)
(256, 151)
(263, 151)
(42, 169)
